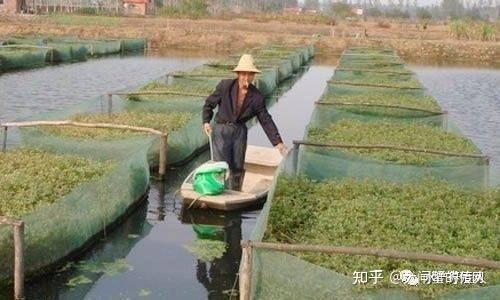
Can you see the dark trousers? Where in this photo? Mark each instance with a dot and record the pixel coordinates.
(230, 145)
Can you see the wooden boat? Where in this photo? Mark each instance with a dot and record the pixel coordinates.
(260, 164)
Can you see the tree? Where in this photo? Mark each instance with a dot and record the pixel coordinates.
(452, 8)
(423, 14)
(340, 9)
(311, 4)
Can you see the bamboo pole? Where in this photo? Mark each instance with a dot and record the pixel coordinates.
(10, 221)
(25, 46)
(200, 75)
(408, 149)
(246, 271)
(459, 260)
(80, 124)
(163, 136)
(374, 85)
(18, 227)
(159, 93)
(375, 71)
(367, 55)
(382, 105)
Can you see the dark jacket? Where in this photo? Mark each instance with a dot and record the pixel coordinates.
(225, 95)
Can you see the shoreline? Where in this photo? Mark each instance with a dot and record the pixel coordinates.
(224, 36)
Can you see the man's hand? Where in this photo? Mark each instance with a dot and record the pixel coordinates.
(207, 128)
(282, 149)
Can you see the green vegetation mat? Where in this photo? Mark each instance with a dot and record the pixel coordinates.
(191, 85)
(374, 65)
(383, 79)
(379, 98)
(427, 216)
(160, 121)
(392, 134)
(32, 178)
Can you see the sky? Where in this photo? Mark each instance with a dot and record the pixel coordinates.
(420, 2)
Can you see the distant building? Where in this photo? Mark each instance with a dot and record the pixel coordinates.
(10, 6)
(357, 11)
(135, 7)
(311, 11)
(292, 10)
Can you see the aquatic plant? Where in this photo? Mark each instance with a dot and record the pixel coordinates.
(392, 134)
(379, 98)
(32, 178)
(207, 250)
(164, 122)
(390, 79)
(427, 216)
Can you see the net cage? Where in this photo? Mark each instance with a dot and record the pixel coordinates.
(24, 52)
(333, 194)
(22, 57)
(68, 194)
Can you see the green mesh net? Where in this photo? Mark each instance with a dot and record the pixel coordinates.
(34, 51)
(19, 57)
(343, 196)
(66, 223)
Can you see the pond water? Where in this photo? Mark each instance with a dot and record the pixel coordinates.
(471, 96)
(53, 88)
(151, 254)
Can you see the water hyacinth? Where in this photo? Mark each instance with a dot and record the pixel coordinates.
(428, 216)
(164, 122)
(392, 134)
(32, 178)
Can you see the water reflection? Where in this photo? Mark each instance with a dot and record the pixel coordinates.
(219, 276)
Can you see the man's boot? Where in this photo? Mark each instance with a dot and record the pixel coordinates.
(236, 181)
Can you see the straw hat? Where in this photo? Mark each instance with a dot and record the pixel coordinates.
(246, 64)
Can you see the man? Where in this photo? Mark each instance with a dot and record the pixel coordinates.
(239, 101)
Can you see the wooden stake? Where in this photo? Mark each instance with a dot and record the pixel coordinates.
(246, 271)
(160, 93)
(458, 260)
(18, 226)
(110, 103)
(295, 158)
(4, 144)
(19, 261)
(374, 85)
(163, 156)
